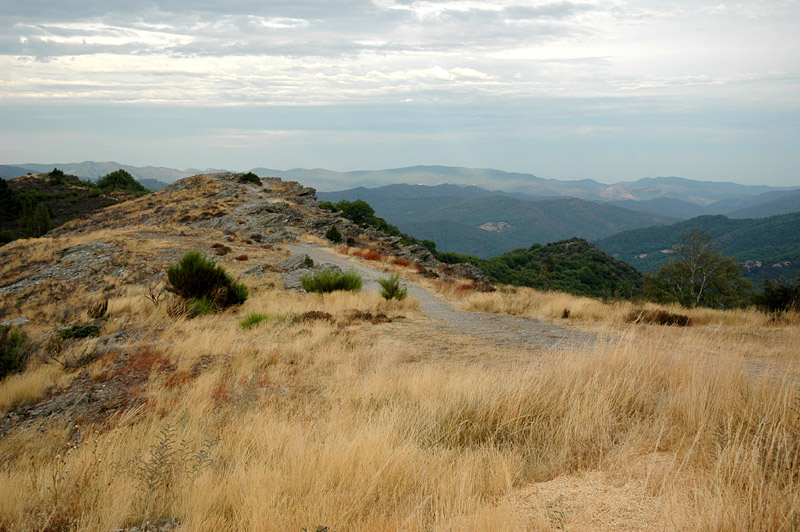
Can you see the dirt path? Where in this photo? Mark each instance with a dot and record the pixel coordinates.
(502, 330)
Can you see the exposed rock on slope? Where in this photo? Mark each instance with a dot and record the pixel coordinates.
(134, 242)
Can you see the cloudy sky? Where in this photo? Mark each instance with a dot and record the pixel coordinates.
(609, 90)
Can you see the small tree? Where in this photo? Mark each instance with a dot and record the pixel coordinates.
(35, 220)
(779, 296)
(333, 234)
(391, 289)
(250, 177)
(15, 348)
(699, 275)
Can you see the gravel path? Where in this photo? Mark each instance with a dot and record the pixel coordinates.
(504, 330)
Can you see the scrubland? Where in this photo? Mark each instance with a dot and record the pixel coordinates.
(346, 423)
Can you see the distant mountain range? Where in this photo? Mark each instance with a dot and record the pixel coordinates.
(487, 212)
(701, 193)
(475, 221)
(768, 248)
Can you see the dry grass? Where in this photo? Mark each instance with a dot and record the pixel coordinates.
(320, 424)
(357, 426)
(550, 306)
(29, 387)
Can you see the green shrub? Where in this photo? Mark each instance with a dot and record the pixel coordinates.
(35, 220)
(255, 318)
(81, 330)
(250, 177)
(15, 348)
(333, 234)
(121, 180)
(391, 289)
(331, 280)
(198, 279)
(778, 296)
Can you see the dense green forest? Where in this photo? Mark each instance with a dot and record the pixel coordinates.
(767, 248)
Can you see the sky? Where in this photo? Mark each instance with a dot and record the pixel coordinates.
(607, 90)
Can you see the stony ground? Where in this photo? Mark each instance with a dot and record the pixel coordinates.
(503, 331)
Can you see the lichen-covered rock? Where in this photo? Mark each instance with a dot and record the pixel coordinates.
(295, 262)
(420, 255)
(467, 271)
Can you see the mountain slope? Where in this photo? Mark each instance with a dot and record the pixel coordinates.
(10, 172)
(574, 266)
(485, 224)
(664, 206)
(767, 247)
(781, 203)
(64, 198)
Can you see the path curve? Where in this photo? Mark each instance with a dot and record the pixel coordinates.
(504, 330)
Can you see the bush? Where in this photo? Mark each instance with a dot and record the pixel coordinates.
(121, 180)
(198, 278)
(778, 296)
(658, 317)
(77, 331)
(15, 348)
(334, 235)
(391, 289)
(330, 281)
(250, 177)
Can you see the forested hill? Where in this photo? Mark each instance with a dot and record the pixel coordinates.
(479, 222)
(767, 248)
(574, 266)
(31, 205)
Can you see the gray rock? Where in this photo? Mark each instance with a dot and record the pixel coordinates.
(15, 322)
(282, 234)
(294, 262)
(257, 270)
(420, 255)
(467, 271)
(83, 261)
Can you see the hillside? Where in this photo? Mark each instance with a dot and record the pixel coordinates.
(459, 410)
(767, 248)
(781, 203)
(574, 266)
(152, 177)
(54, 199)
(664, 206)
(482, 223)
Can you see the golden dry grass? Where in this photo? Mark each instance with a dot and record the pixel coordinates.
(362, 426)
(323, 424)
